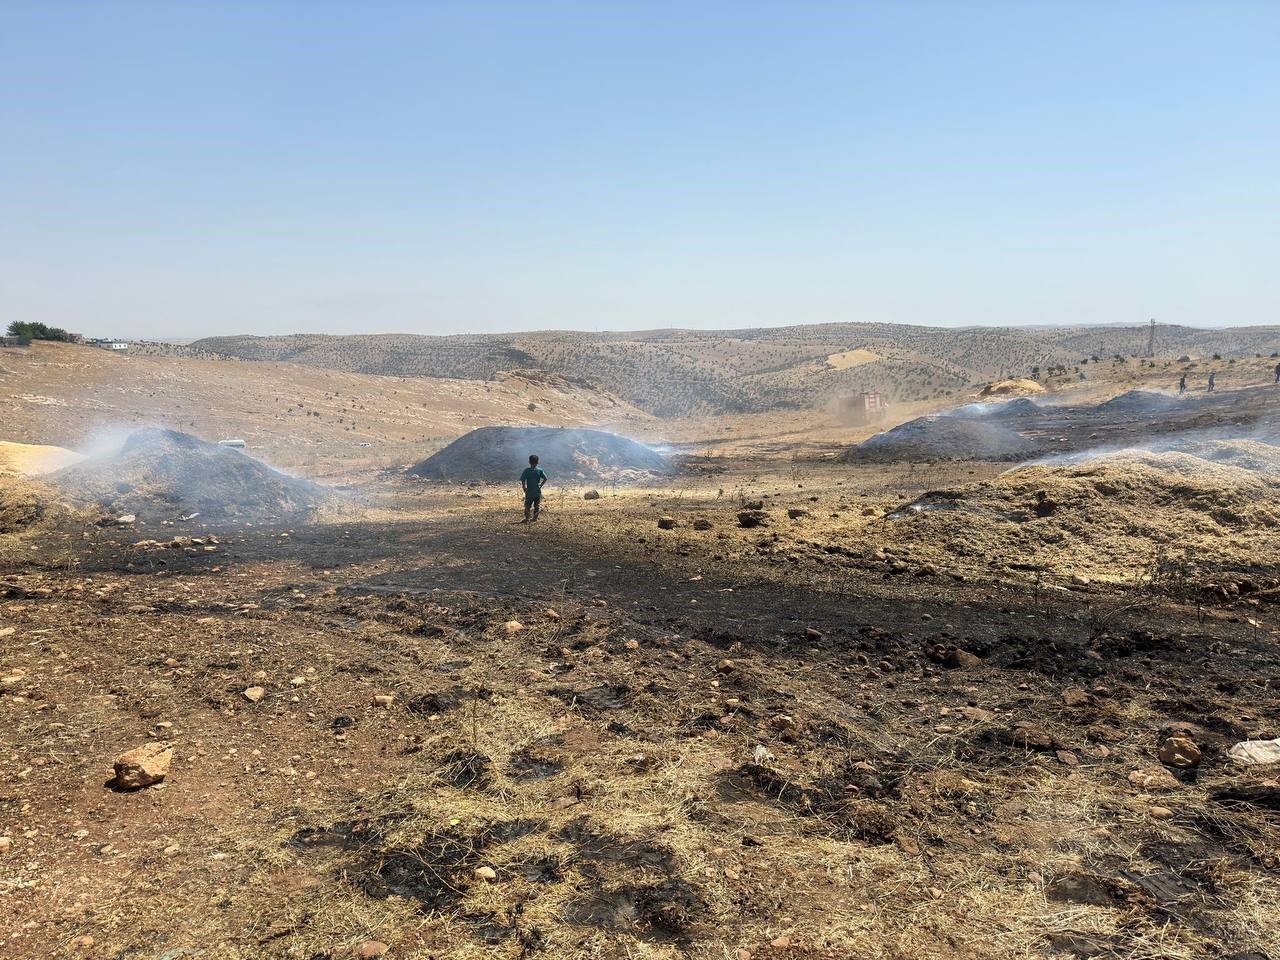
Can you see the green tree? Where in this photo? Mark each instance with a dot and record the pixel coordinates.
(30, 330)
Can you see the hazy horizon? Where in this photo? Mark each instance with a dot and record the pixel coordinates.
(708, 330)
(201, 169)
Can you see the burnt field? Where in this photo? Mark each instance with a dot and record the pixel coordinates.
(781, 703)
(457, 736)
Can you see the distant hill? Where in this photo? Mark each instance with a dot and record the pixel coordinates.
(684, 372)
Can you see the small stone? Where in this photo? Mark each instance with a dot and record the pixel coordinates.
(591, 495)
(383, 699)
(702, 523)
(552, 615)
(5, 844)
(254, 694)
(1074, 697)
(632, 644)
(143, 766)
(1067, 757)
(725, 666)
(956, 659)
(1180, 751)
(486, 873)
(1160, 813)
(370, 948)
(780, 943)
(512, 627)
(1153, 778)
(812, 633)
(666, 523)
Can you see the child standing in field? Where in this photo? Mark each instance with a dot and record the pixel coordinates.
(531, 481)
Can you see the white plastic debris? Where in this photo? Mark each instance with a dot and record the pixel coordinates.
(761, 754)
(1256, 751)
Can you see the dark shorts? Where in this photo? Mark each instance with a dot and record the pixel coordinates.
(532, 498)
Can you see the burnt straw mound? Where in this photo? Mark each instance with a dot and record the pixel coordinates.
(1139, 402)
(498, 454)
(160, 474)
(22, 503)
(944, 437)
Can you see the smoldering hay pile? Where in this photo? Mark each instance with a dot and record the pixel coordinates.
(948, 436)
(498, 454)
(163, 474)
(1211, 507)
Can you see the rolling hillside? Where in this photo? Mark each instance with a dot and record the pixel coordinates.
(684, 372)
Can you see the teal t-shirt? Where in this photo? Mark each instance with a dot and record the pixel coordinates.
(533, 478)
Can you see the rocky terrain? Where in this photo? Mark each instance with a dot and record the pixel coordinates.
(683, 373)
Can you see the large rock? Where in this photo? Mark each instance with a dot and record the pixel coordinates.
(1180, 751)
(143, 766)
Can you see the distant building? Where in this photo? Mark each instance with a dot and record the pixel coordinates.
(118, 346)
(870, 406)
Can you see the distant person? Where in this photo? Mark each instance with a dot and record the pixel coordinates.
(1278, 373)
(1182, 383)
(531, 482)
(1213, 377)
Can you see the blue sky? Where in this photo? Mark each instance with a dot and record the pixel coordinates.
(183, 169)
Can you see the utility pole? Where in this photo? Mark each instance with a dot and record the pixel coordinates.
(1151, 339)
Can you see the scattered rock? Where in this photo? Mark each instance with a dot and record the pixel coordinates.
(512, 627)
(797, 513)
(255, 694)
(370, 948)
(666, 523)
(1161, 813)
(486, 873)
(953, 658)
(591, 495)
(1180, 751)
(702, 523)
(1075, 697)
(1153, 778)
(383, 699)
(143, 766)
(812, 633)
(752, 518)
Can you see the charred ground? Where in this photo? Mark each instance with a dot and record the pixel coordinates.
(841, 728)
